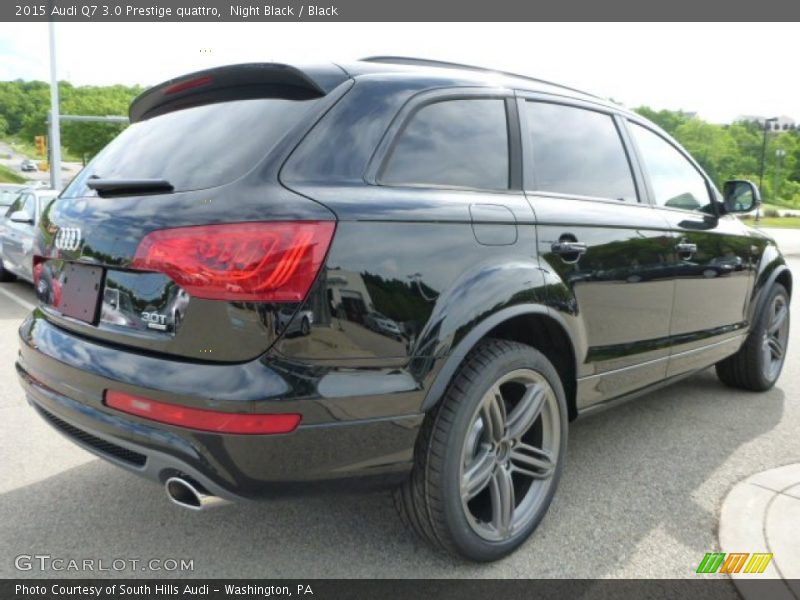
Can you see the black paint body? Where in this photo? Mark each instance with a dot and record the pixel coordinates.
(448, 266)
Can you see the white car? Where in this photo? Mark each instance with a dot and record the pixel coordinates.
(382, 324)
(17, 230)
(9, 193)
(28, 165)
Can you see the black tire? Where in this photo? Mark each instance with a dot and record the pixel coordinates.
(749, 369)
(433, 501)
(4, 274)
(305, 327)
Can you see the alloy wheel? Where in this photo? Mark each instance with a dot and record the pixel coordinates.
(776, 336)
(510, 455)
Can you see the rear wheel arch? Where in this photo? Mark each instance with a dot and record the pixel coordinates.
(785, 279)
(532, 325)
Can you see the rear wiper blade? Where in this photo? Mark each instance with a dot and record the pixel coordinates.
(125, 187)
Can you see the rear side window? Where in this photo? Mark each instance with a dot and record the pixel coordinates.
(196, 148)
(453, 143)
(578, 152)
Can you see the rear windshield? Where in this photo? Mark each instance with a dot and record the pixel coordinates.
(195, 148)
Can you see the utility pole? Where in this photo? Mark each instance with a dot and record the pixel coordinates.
(55, 121)
(779, 154)
(763, 159)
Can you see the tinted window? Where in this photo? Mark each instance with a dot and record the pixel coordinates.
(455, 143)
(675, 181)
(577, 151)
(198, 147)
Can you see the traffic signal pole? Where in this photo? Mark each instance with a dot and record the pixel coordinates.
(55, 121)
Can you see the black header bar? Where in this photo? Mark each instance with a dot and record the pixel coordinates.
(400, 10)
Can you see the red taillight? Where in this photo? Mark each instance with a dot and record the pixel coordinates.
(257, 262)
(204, 420)
(188, 84)
(38, 265)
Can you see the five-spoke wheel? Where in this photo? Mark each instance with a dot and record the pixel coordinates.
(758, 363)
(776, 335)
(490, 454)
(510, 454)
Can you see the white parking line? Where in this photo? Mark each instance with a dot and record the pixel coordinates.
(21, 301)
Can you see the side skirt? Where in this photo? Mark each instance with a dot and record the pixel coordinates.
(678, 366)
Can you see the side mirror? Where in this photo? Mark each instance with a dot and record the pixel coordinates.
(740, 196)
(21, 216)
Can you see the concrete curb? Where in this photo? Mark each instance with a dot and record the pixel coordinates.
(762, 514)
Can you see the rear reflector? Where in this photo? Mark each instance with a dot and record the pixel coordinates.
(38, 265)
(204, 420)
(255, 262)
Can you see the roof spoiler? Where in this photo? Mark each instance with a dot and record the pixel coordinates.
(234, 82)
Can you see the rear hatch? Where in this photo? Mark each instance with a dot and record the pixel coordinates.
(177, 238)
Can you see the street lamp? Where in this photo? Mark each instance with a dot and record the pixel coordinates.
(779, 154)
(763, 158)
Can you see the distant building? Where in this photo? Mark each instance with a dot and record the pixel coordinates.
(783, 123)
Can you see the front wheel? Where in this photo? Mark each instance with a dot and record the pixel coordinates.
(490, 455)
(758, 363)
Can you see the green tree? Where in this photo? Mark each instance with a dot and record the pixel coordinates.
(734, 152)
(24, 106)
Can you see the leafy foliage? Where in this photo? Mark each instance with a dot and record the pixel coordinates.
(734, 152)
(24, 106)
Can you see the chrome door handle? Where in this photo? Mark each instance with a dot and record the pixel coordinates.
(568, 247)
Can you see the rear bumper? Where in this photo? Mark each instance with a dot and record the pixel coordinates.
(341, 438)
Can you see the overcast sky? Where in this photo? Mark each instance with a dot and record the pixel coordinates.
(719, 70)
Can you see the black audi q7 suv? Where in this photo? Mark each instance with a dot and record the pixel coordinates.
(534, 252)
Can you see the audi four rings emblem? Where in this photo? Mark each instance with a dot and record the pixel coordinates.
(68, 238)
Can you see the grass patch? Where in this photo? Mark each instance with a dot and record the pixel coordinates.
(779, 222)
(9, 176)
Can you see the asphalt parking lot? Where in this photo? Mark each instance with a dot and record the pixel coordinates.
(640, 496)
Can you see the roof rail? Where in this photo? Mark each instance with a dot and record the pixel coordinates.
(425, 62)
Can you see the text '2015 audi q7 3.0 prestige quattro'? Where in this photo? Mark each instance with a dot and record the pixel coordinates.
(397, 271)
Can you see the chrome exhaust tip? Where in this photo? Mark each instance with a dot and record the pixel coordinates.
(187, 493)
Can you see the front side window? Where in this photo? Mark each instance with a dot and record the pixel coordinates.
(578, 152)
(675, 181)
(453, 143)
(30, 206)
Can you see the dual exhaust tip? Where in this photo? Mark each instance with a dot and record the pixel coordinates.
(187, 493)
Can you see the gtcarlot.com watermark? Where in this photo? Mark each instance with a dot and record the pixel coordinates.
(47, 562)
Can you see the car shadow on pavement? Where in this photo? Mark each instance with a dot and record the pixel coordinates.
(634, 474)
